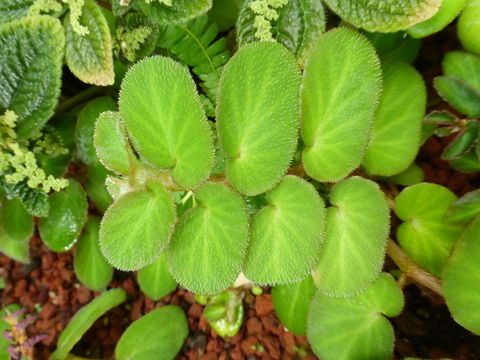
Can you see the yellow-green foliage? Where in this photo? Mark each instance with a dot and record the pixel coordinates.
(266, 12)
(18, 163)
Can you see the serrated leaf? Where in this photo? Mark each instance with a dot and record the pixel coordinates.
(168, 127)
(384, 16)
(31, 58)
(207, 249)
(17, 250)
(357, 228)
(16, 221)
(461, 278)
(90, 267)
(159, 333)
(291, 304)
(86, 125)
(469, 163)
(340, 92)
(96, 188)
(35, 201)
(14, 9)
(179, 12)
(462, 65)
(111, 143)
(449, 10)
(65, 220)
(468, 26)
(293, 223)
(411, 176)
(136, 228)
(465, 209)
(257, 115)
(425, 235)
(155, 279)
(395, 138)
(463, 142)
(90, 57)
(355, 328)
(461, 95)
(84, 318)
(299, 24)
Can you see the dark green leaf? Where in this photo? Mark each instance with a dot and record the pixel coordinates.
(35, 201)
(463, 142)
(179, 12)
(17, 222)
(96, 188)
(464, 209)
(462, 96)
(155, 279)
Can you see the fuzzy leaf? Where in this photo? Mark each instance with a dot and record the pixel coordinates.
(355, 328)
(65, 220)
(464, 66)
(209, 243)
(384, 16)
(341, 89)
(460, 279)
(155, 279)
(136, 228)
(299, 24)
(179, 12)
(14, 9)
(449, 10)
(465, 209)
(89, 57)
(395, 138)
(293, 223)
(168, 127)
(468, 26)
(111, 143)
(84, 318)
(30, 71)
(17, 250)
(292, 302)
(89, 265)
(16, 221)
(159, 333)
(357, 229)
(424, 234)
(461, 95)
(86, 126)
(257, 115)
(411, 176)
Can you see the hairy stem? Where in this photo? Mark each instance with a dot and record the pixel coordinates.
(78, 99)
(412, 270)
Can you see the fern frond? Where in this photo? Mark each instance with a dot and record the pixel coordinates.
(195, 44)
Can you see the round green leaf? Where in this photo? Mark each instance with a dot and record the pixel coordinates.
(66, 217)
(86, 126)
(84, 318)
(168, 128)
(286, 234)
(424, 234)
(155, 279)
(397, 46)
(96, 188)
(340, 93)
(464, 66)
(257, 115)
(449, 10)
(159, 334)
(355, 328)
(179, 12)
(16, 221)
(395, 138)
(468, 26)
(292, 302)
(17, 250)
(136, 228)
(297, 27)
(411, 176)
(384, 16)
(89, 265)
(461, 279)
(356, 236)
(113, 149)
(207, 249)
(31, 46)
(89, 56)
